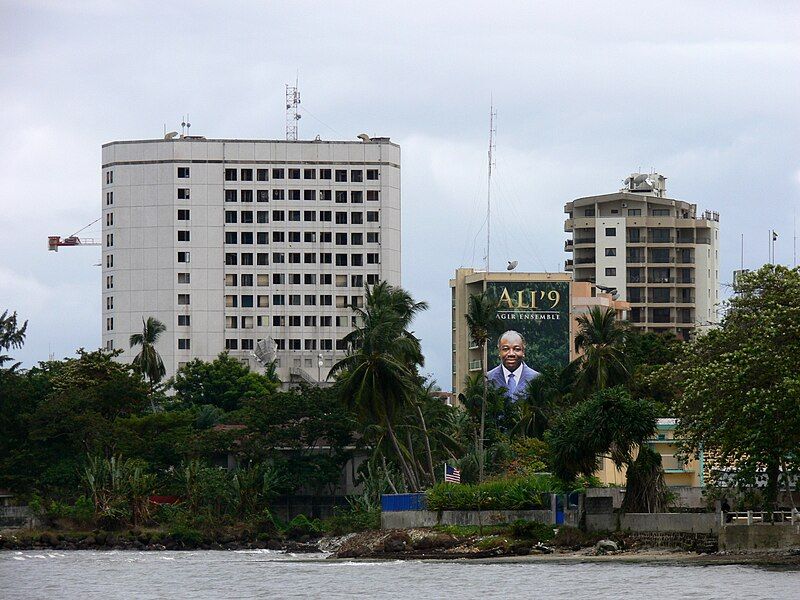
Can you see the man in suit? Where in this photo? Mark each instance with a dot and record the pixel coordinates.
(512, 373)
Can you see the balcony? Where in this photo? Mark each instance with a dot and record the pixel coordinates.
(685, 260)
(568, 245)
(587, 260)
(585, 240)
(660, 300)
(641, 239)
(662, 319)
(684, 280)
(635, 299)
(656, 279)
(635, 259)
(568, 264)
(661, 260)
(475, 365)
(684, 300)
(661, 239)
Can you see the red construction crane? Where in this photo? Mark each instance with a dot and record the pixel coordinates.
(54, 241)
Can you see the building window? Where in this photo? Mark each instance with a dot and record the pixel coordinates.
(247, 301)
(326, 344)
(262, 279)
(231, 279)
(278, 236)
(326, 321)
(373, 258)
(309, 215)
(611, 272)
(341, 175)
(357, 175)
(230, 174)
(246, 237)
(356, 281)
(183, 257)
(294, 258)
(372, 278)
(109, 282)
(325, 258)
(310, 321)
(356, 239)
(326, 195)
(183, 235)
(373, 174)
(262, 258)
(231, 195)
(341, 218)
(183, 193)
(278, 215)
(261, 174)
(110, 260)
(231, 344)
(231, 301)
(611, 231)
(373, 237)
(309, 173)
(294, 215)
(247, 258)
(611, 251)
(309, 258)
(247, 279)
(588, 212)
(110, 176)
(341, 260)
(634, 212)
(341, 197)
(294, 300)
(372, 216)
(184, 320)
(184, 344)
(231, 237)
(183, 299)
(263, 301)
(294, 173)
(247, 344)
(310, 195)
(109, 239)
(294, 194)
(230, 216)
(324, 173)
(325, 237)
(231, 258)
(183, 172)
(247, 174)
(110, 198)
(110, 324)
(262, 195)
(262, 216)
(109, 302)
(278, 258)
(246, 196)
(184, 278)
(325, 215)
(247, 216)
(326, 300)
(660, 212)
(294, 278)
(294, 344)
(310, 279)
(357, 197)
(294, 321)
(373, 195)
(310, 300)
(357, 260)
(294, 236)
(277, 173)
(183, 214)
(341, 239)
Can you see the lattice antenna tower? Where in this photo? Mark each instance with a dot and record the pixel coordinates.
(292, 116)
(492, 164)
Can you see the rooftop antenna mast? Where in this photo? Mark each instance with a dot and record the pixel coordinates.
(492, 148)
(292, 117)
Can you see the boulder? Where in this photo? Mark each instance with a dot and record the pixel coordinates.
(606, 546)
(397, 541)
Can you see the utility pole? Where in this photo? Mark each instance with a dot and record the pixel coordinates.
(492, 147)
(292, 117)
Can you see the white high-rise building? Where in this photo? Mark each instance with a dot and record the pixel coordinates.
(230, 242)
(658, 253)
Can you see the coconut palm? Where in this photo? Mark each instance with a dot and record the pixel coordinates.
(602, 362)
(481, 318)
(378, 377)
(148, 362)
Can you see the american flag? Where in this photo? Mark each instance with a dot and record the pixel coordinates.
(451, 474)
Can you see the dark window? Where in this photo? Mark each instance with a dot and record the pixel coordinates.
(262, 195)
(277, 194)
(611, 271)
(611, 251)
(247, 301)
(183, 173)
(324, 173)
(183, 236)
(357, 218)
(183, 194)
(184, 344)
(373, 237)
(341, 197)
(278, 300)
(261, 237)
(357, 197)
(262, 216)
(325, 195)
(183, 321)
(325, 258)
(588, 212)
(261, 174)
(230, 174)
(324, 215)
(341, 218)
(294, 194)
(611, 231)
(356, 239)
(277, 173)
(247, 216)
(294, 258)
(247, 237)
(246, 196)
(294, 173)
(309, 194)
(309, 258)
(325, 237)
(261, 259)
(341, 260)
(309, 173)
(373, 174)
(357, 260)
(230, 216)
(183, 214)
(278, 236)
(357, 175)
(373, 216)
(309, 215)
(294, 236)
(247, 258)
(231, 237)
(278, 258)
(247, 174)
(277, 215)
(294, 215)
(230, 258)
(230, 195)
(373, 195)
(341, 175)
(341, 239)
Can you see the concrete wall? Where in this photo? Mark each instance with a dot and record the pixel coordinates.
(406, 519)
(666, 522)
(685, 496)
(759, 536)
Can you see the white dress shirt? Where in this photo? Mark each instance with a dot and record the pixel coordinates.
(517, 373)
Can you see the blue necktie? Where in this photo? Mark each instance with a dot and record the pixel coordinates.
(512, 384)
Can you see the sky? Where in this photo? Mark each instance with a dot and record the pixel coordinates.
(706, 93)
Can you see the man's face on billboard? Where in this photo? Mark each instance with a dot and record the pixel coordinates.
(512, 352)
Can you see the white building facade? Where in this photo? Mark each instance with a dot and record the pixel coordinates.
(658, 253)
(230, 242)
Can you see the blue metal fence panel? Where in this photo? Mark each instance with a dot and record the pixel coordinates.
(396, 502)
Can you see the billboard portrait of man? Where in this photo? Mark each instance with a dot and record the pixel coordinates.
(512, 373)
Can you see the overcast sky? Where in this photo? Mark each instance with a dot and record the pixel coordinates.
(704, 93)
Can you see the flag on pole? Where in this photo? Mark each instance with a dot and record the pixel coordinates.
(451, 474)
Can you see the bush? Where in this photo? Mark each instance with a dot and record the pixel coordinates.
(351, 521)
(519, 493)
(186, 535)
(300, 526)
(574, 538)
(532, 530)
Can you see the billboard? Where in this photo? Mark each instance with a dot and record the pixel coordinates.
(538, 311)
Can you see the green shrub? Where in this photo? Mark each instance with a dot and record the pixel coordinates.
(519, 493)
(574, 538)
(532, 530)
(492, 542)
(351, 521)
(187, 535)
(300, 526)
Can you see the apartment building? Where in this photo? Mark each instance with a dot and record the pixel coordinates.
(234, 242)
(658, 253)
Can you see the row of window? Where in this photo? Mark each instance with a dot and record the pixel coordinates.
(338, 175)
(340, 259)
(341, 196)
(340, 217)
(632, 212)
(278, 237)
(263, 301)
(293, 344)
(261, 279)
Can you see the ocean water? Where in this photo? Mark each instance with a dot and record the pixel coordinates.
(263, 574)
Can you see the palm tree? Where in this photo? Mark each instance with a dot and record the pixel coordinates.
(379, 375)
(148, 362)
(602, 362)
(481, 318)
(11, 336)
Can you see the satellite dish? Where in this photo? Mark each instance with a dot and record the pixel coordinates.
(512, 264)
(265, 351)
(171, 135)
(363, 137)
